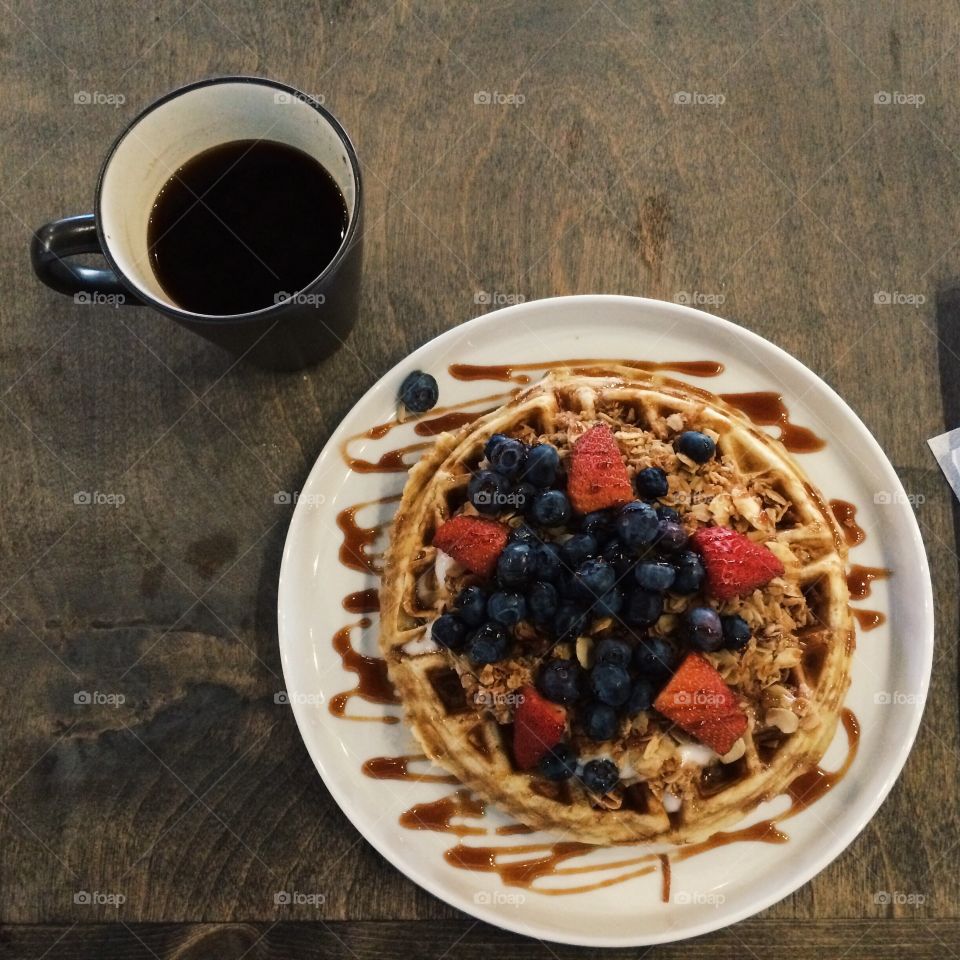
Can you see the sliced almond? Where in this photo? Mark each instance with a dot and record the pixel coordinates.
(785, 720)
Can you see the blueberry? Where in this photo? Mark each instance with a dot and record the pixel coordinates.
(610, 683)
(542, 464)
(471, 604)
(488, 643)
(655, 657)
(690, 573)
(515, 564)
(702, 629)
(599, 720)
(637, 525)
(642, 694)
(560, 763)
(593, 578)
(578, 548)
(618, 558)
(419, 392)
(506, 608)
(521, 496)
(523, 534)
(488, 491)
(569, 622)
(643, 608)
(507, 456)
(695, 445)
(551, 508)
(492, 444)
(668, 513)
(600, 526)
(609, 604)
(600, 776)
(612, 650)
(736, 632)
(560, 680)
(449, 631)
(671, 537)
(546, 561)
(652, 483)
(542, 602)
(655, 576)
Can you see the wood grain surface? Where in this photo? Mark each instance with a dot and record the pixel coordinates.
(806, 190)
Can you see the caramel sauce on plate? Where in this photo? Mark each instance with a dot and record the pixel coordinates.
(356, 539)
(846, 514)
(767, 409)
(393, 461)
(363, 601)
(509, 372)
(398, 768)
(439, 814)
(448, 421)
(373, 684)
(859, 580)
(810, 786)
(868, 620)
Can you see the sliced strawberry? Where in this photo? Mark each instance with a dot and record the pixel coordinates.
(735, 565)
(474, 542)
(697, 700)
(538, 726)
(597, 476)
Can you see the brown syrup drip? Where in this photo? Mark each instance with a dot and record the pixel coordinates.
(765, 831)
(509, 372)
(447, 422)
(869, 620)
(846, 514)
(398, 768)
(810, 786)
(391, 462)
(514, 829)
(379, 431)
(363, 601)
(356, 539)
(664, 878)
(767, 409)
(373, 684)
(859, 580)
(439, 814)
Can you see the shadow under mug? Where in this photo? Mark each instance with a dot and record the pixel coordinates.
(305, 326)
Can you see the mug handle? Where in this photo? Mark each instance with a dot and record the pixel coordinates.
(67, 237)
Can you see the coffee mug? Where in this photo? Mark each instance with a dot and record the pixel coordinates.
(303, 326)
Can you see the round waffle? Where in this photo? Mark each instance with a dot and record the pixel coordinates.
(790, 681)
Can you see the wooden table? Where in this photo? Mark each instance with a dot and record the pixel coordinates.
(735, 152)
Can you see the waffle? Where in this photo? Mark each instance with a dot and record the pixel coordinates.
(790, 681)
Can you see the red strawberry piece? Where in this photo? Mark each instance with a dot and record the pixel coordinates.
(538, 726)
(735, 565)
(597, 476)
(474, 542)
(697, 700)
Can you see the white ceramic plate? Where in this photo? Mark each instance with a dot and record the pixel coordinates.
(891, 667)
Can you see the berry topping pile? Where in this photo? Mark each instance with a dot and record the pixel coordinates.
(603, 602)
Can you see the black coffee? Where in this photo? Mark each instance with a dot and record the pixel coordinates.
(242, 223)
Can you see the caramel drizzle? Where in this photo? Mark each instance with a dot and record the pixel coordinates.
(860, 579)
(354, 552)
(846, 515)
(373, 684)
(398, 768)
(767, 409)
(508, 373)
